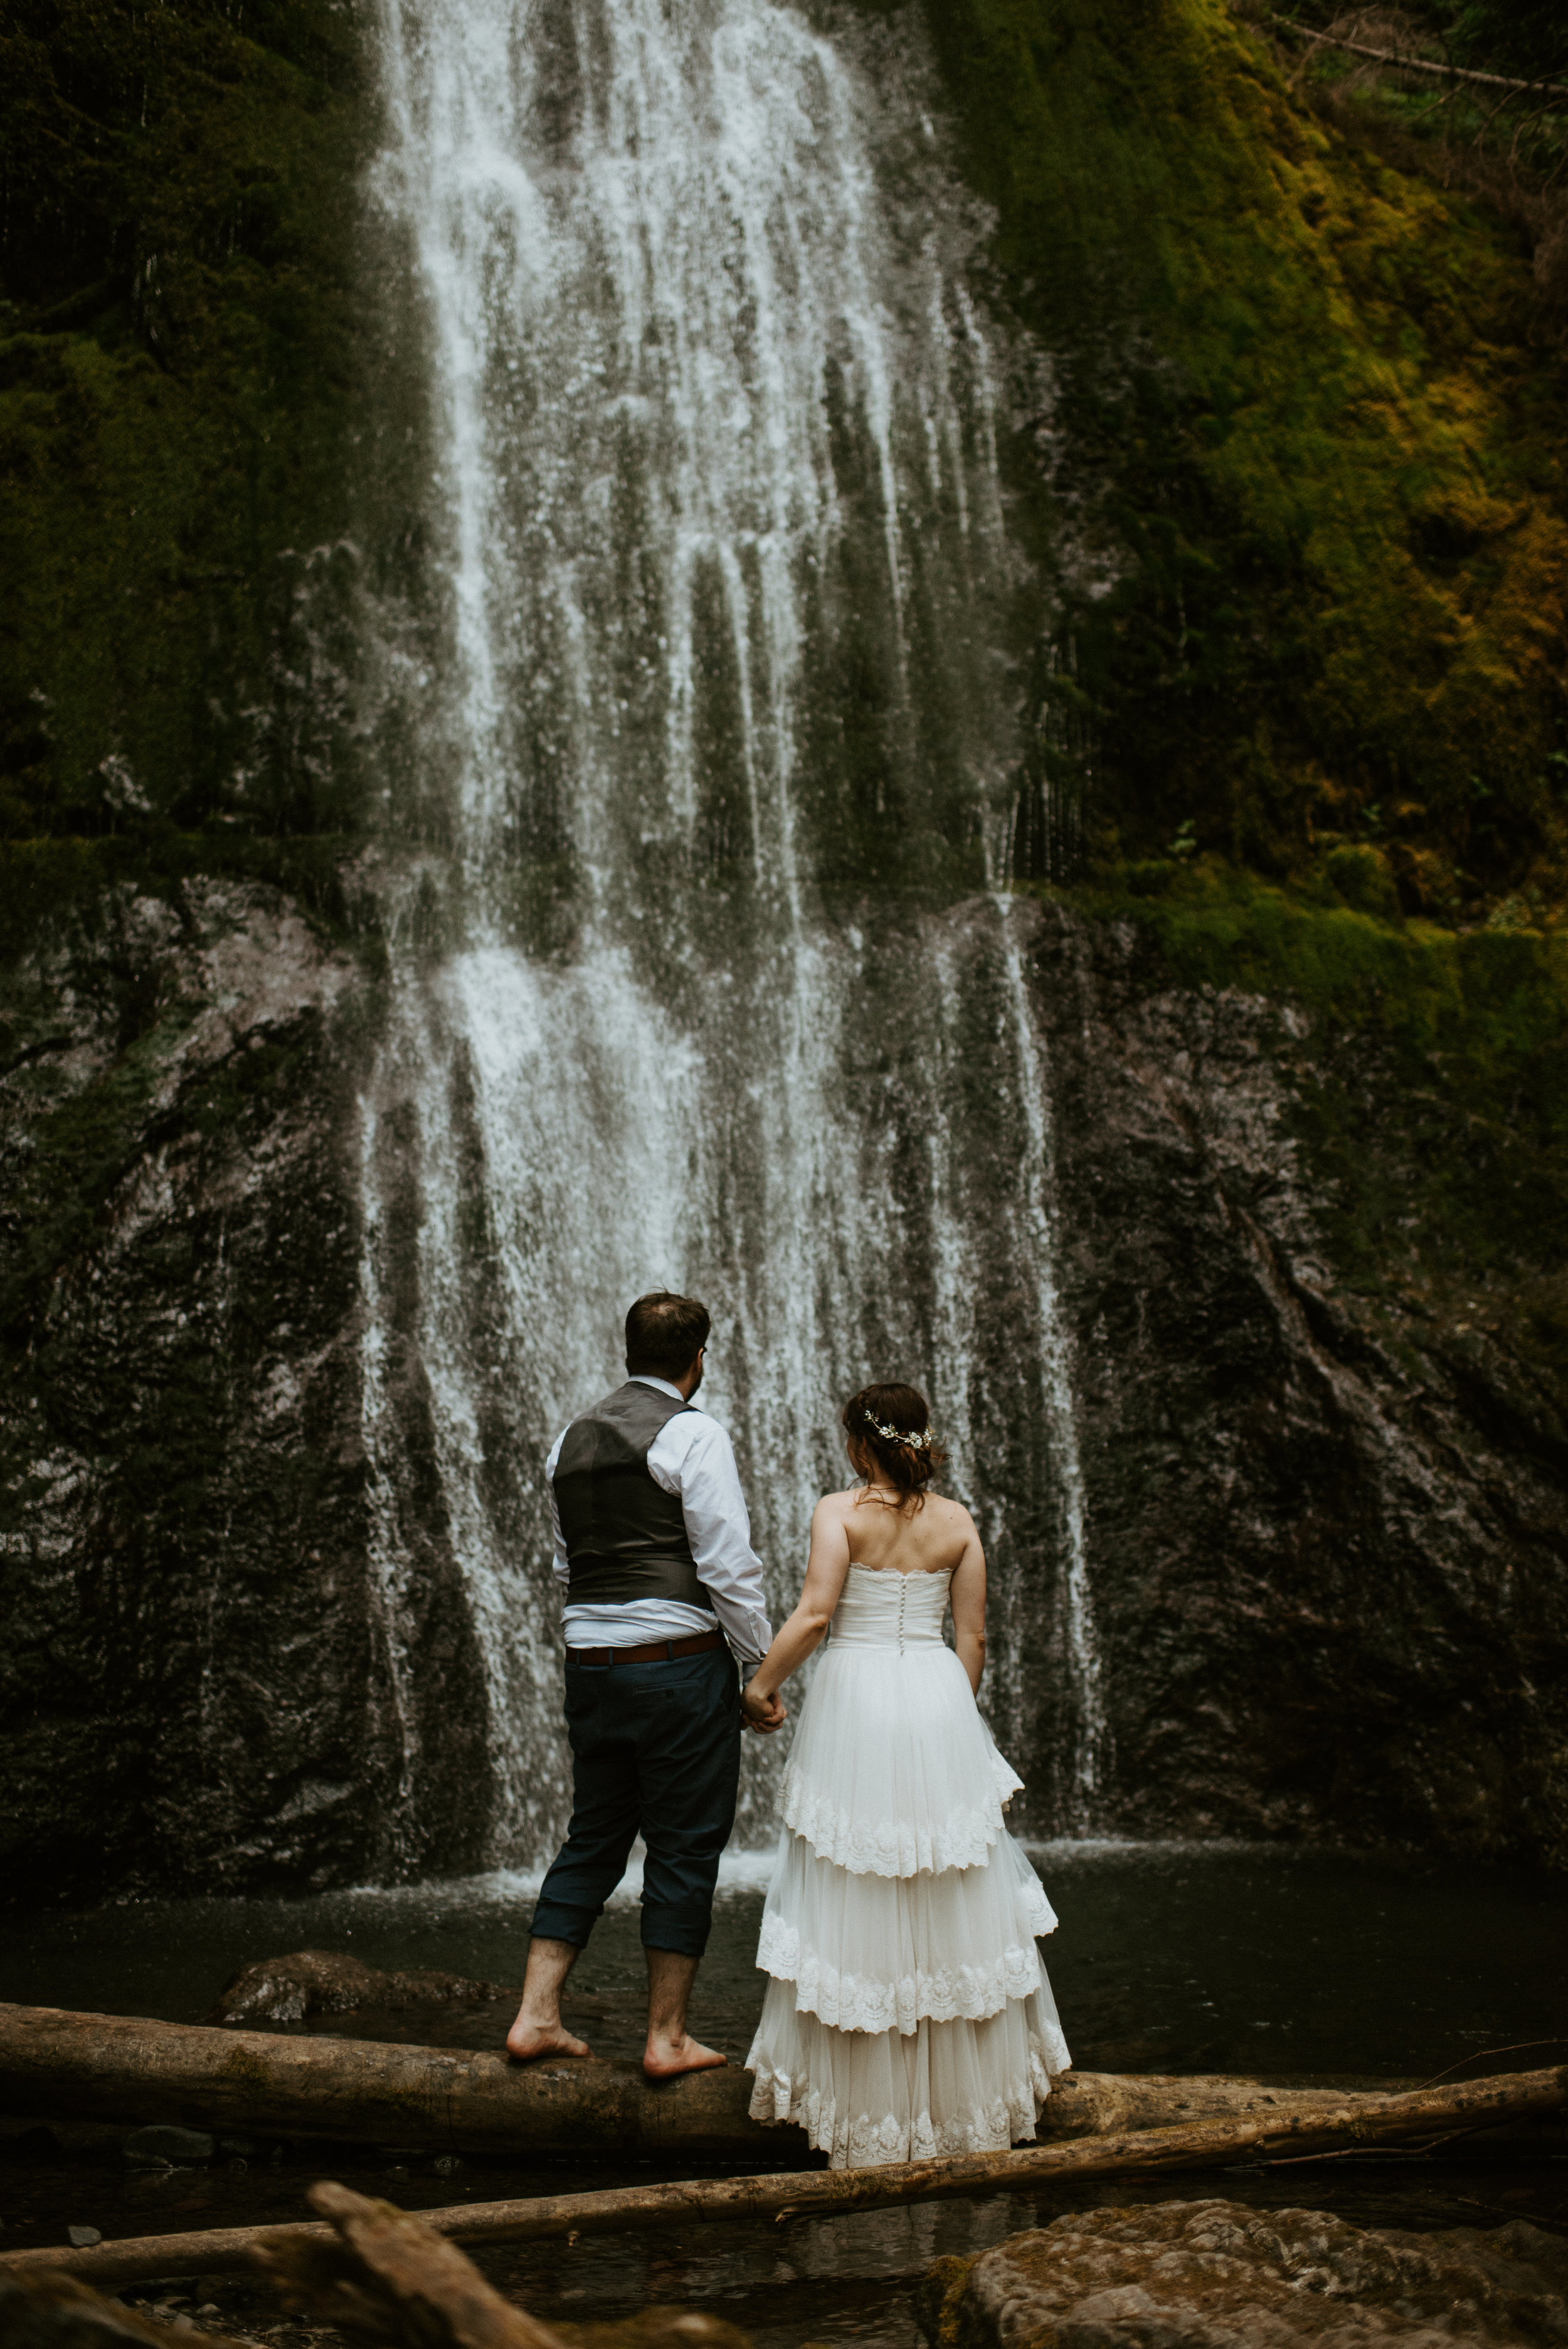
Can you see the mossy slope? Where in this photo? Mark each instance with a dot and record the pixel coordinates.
(1314, 407)
(176, 350)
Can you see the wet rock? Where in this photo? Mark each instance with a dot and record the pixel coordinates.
(325, 1981)
(1213, 2274)
(1327, 1534)
(80, 2236)
(656, 2328)
(1326, 1526)
(195, 1686)
(165, 2141)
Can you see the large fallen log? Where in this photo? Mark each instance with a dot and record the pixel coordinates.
(1421, 2116)
(127, 2067)
(57, 2064)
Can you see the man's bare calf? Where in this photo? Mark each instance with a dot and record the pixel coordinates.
(539, 2029)
(670, 2050)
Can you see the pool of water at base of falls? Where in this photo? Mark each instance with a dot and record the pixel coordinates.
(1171, 1958)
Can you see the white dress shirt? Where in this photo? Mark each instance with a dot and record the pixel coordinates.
(692, 1459)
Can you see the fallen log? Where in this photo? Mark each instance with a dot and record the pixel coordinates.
(112, 2066)
(1424, 2113)
(98, 2067)
(57, 2312)
(390, 2281)
(380, 2274)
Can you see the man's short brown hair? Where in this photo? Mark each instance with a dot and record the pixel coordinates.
(664, 1334)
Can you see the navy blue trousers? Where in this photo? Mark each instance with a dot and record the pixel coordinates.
(655, 1750)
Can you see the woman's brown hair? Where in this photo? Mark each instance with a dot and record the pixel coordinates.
(890, 1427)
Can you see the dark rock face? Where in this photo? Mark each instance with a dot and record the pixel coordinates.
(1184, 2275)
(195, 1681)
(1328, 1527)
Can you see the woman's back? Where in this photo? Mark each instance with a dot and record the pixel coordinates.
(930, 1539)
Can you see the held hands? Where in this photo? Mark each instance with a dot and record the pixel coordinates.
(763, 1714)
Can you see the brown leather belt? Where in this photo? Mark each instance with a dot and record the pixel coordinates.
(652, 1651)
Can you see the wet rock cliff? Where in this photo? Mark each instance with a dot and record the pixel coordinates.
(194, 1684)
(1327, 1481)
(1325, 1442)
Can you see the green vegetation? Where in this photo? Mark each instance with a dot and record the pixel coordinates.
(1310, 684)
(1313, 422)
(176, 353)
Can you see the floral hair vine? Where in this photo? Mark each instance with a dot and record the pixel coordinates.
(920, 1442)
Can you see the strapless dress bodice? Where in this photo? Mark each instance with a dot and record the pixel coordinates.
(881, 1608)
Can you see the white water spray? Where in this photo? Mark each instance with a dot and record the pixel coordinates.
(728, 573)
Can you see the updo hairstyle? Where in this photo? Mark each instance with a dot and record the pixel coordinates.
(907, 1458)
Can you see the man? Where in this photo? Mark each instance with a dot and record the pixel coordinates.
(664, 1595)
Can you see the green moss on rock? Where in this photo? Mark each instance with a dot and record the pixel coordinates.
(1319, 428)
(1431, 1079)
(176, 357)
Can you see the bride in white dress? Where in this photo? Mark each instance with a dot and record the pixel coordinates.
(907, 2012)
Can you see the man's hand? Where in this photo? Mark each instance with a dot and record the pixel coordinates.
(763, 1714)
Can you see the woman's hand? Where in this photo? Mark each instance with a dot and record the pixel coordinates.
(825, 1570)
(764, 1709)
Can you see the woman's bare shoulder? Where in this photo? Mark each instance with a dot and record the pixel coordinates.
(949, 1515)
(837, 1505)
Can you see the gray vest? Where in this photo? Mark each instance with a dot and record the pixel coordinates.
(625, 1537)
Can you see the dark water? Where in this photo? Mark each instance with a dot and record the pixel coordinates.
(1183, 1958)
(1178, 1959)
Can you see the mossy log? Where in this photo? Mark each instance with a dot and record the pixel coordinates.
(125, 2068)
(1420, 2115)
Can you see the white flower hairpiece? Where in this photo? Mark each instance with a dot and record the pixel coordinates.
(920, 1442)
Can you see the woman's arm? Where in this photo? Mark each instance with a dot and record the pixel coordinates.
(966, 1596)
(826, 1566)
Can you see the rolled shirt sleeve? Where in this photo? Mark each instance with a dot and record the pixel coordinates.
(693, 1458)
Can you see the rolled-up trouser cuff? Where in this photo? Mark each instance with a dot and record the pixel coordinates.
(555, 1921)
(685, 1930)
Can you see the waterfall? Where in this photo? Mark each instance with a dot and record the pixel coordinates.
(698, 974)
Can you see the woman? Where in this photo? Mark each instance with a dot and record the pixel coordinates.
(907, 2011)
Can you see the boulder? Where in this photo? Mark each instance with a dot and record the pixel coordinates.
(1216, 2275)
(325, 1981)
(165, 2141)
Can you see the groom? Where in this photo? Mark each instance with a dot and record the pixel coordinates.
(663, 1595)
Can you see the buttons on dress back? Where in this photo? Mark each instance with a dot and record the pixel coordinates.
(902, 1596)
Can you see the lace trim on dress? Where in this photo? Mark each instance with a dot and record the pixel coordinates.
(889, 1847)
(853, 2002)
(860, 2141)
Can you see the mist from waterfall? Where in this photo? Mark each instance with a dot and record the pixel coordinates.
(699, 976)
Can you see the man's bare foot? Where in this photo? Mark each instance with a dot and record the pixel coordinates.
(663, 2059)
(538, 2029)
(526, 2040)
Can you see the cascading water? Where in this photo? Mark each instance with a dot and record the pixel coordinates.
(695, 975)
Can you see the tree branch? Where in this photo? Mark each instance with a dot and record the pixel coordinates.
(1419, 65)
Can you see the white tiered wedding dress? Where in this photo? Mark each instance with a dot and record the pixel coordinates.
(907, 2012)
